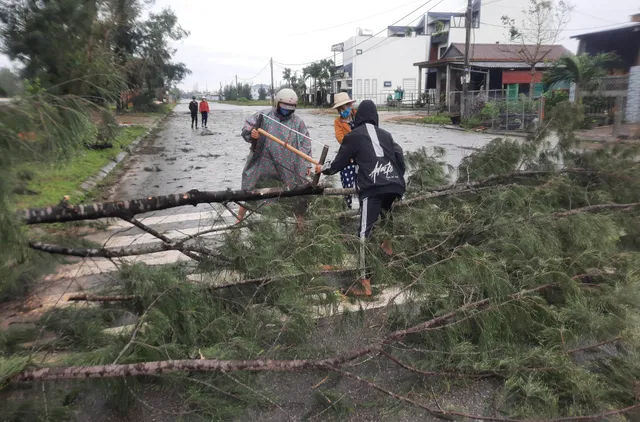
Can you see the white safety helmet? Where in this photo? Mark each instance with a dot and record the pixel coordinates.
(287, 99)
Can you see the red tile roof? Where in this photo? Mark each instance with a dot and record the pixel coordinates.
(506, 52)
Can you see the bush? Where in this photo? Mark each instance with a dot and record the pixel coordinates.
(490, 111)
(438, 119)
(243, 100)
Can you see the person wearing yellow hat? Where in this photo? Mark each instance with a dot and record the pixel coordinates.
(343, 125)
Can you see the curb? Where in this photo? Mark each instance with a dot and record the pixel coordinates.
(92, 181)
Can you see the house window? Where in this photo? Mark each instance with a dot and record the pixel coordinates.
(367, 89)
(538, 90)
(441, 52)
(359, 89)
(512, 91)
(374, 88)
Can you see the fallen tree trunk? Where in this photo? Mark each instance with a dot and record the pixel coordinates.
(128, 209)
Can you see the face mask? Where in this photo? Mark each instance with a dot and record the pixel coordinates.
(285, 112)
(345, 113)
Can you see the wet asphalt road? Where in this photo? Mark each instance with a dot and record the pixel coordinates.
(181, 158)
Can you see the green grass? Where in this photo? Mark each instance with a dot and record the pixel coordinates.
(438, 119)
(51, 182)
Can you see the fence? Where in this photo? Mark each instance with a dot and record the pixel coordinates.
(497, 110)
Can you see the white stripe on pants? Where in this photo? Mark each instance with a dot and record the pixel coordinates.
(363, 237)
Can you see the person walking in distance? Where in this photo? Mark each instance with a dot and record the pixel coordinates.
(269, 162)
(204, 111)
(381, 181)
(343, 125)
(193, 108)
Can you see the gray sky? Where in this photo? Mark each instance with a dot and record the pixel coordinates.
(231, 38)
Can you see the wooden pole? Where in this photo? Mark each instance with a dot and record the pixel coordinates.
(272, 87)
(289, 147)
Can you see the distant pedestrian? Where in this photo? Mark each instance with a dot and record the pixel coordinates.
(343, 125)
(193, 108)
(204, 110)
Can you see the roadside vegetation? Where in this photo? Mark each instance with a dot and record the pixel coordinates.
(60, 125)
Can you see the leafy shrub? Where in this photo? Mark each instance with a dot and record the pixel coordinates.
(490, 111)
(243, 100)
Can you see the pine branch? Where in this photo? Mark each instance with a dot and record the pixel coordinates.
(185, 365)
(116, 253)
(97, 298)
(593, 346)
(171, 366)
(259, 281)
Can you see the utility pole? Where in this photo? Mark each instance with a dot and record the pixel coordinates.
(237, 89)
(467, 48)
(272, 99)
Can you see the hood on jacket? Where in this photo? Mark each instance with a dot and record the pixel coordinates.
(367, 113)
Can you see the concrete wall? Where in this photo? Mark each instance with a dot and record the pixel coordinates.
(632, 113)
(391, 60)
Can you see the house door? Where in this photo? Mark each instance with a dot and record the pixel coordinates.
(512, 92)
(410, 88)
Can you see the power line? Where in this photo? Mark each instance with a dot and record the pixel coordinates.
(259, 73)
(355, 21)
(355, 45)
(395, 38)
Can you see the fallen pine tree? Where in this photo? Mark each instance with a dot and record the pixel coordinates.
(525, 287)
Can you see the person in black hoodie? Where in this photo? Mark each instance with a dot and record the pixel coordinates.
(193, 108)
(380, 175)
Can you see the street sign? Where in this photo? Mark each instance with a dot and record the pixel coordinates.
(338, 47)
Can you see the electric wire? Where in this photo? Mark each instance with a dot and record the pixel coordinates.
(361, 42)
(355, 21)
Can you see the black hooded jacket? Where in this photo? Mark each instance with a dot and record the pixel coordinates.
(380, 161)
(193, 107)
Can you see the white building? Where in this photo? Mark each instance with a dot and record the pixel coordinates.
(255, 90)
(373, 67)
(376, 66)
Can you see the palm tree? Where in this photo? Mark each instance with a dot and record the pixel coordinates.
(286, 75)
(583, 70)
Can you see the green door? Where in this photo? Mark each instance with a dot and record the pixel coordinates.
(537, 90)
(512, 92)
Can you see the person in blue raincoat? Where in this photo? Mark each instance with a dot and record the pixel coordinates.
(268, 161)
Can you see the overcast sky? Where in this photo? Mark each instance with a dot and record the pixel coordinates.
(231, 38)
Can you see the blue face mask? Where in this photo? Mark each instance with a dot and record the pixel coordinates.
(285, 112)
(345, 113)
